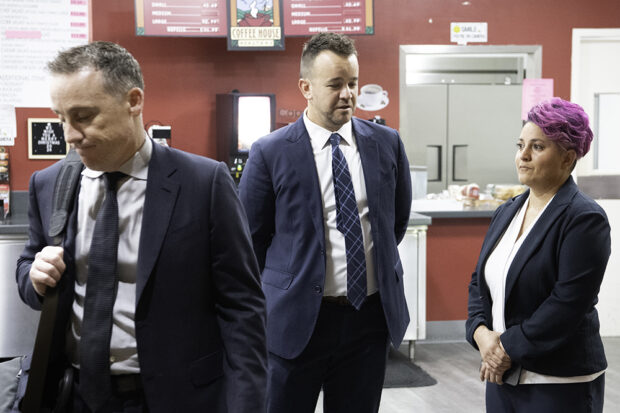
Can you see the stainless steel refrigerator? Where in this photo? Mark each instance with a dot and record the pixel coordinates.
(460, 110)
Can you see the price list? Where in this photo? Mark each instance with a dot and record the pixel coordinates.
(196, 18)
(307, 17)
(31, 34)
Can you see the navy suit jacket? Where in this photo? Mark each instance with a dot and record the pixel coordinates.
(281, 195)
(200, 316)
(552, 325)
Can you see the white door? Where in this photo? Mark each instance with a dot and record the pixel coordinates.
(595, 62)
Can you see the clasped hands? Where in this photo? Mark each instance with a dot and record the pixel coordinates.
(495, 360)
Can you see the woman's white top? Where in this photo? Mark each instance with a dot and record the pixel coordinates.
(495, 273)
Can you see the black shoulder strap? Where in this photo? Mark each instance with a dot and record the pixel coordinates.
(64, 194)
(64, 191)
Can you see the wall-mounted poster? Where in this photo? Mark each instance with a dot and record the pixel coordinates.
(255, 25)
(46, 139)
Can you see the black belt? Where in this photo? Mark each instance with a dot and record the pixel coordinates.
(121, 383)
(343, 301)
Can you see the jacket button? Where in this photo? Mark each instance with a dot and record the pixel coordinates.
(318, 289)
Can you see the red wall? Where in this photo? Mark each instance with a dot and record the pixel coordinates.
(183, 74)
(452, 249)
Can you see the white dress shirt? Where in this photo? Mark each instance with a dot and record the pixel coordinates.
(335, 250)
(495, 273)
(130, 196)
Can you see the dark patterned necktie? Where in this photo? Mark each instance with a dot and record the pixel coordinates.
(101, 284)
(348, 223)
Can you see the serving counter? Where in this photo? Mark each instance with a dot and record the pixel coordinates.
(18, 322)
(412, 250)
(453, 244)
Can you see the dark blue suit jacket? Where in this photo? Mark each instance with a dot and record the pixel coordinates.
(552, 326)
(280, 192)
(199, 307)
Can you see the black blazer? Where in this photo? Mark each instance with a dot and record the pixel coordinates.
(552, 325)
(199, 307)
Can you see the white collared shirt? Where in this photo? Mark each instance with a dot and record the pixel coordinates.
(335, 250)
(130, 195)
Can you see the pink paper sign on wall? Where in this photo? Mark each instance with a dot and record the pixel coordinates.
(534, 92)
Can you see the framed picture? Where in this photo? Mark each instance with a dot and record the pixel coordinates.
(46, 139)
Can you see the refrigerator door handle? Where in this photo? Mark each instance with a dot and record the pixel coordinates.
(459, 163)
(433, 162)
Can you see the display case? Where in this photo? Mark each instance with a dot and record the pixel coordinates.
(242, 118)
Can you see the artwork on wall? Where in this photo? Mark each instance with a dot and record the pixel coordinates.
(255, 25)
(46, 139)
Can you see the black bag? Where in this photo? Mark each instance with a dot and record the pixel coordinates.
(30, 389)
(10, 378)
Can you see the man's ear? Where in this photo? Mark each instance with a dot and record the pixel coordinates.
(135, 98)
(306, 88)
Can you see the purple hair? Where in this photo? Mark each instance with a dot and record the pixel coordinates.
(563, 122)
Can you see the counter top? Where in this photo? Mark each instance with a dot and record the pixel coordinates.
(419, 219)
(17, 222)
(18, 225)
(450, 209)
(465, 213)
(14, 225)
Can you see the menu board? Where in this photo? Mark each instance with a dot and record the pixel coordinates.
(307, 17)
(31, 34)
(208, 18)
(195, 18)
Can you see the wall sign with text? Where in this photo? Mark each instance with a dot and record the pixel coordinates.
(46, 139)
(179, 18)
(463, 33)
(241, 20)
(308, 17)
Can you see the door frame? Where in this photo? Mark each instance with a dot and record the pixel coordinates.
(581, 36)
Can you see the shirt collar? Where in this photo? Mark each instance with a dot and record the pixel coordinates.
(319, 136)
(136, 167)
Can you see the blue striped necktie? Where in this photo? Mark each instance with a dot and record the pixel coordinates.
(348, 223)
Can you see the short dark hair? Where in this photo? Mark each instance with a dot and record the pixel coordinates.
(565, 123)
(338, 43)
(121, 71)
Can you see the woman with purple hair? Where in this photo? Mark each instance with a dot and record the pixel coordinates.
(531, 310)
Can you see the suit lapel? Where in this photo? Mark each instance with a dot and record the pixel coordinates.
(161, 194)
(369, 155)
(299, 151)
(539, 232)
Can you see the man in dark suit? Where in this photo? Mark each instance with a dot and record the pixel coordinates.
(328, 200)
(187, 323)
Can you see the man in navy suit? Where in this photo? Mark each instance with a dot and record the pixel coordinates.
(320, 332)
(188, 321)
